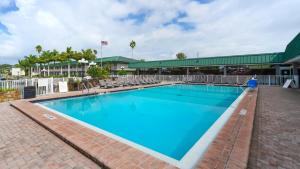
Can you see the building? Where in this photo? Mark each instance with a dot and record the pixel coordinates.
(276, 63)
(279, 63)
(114, 64)
(17, 72)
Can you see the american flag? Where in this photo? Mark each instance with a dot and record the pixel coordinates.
(104, 43)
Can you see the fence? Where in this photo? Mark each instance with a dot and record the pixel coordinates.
(277, 80)
(43, 86)
(50, 85)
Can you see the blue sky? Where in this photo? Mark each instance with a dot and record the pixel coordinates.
(3, 29)
(137, 18)
(6, 7)
(161, 28)
(185, 26)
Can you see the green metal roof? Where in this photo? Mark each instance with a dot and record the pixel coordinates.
(293, 49)
(116, 59)
(250, 59)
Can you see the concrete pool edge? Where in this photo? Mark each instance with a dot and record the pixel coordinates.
(108, 163)
(191, 158)
(118, 138)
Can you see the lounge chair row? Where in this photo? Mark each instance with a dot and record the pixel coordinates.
(126, 82)
(226, 80)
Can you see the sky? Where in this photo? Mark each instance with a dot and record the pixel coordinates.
(161, 28)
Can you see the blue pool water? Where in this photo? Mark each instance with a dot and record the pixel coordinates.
(166, 119)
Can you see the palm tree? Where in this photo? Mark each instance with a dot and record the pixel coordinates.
(54, 56)
(61, 57)
(24, 64)
(32, 60)
(69, 54)
(132, 45)
(77, 56)
(88, 54)
(39, 49)
(46, 55)
(42, 61)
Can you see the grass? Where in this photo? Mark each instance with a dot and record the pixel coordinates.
(7, 90)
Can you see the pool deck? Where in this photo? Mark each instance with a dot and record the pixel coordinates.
(276, 137)
(230, 149)
(25, 144)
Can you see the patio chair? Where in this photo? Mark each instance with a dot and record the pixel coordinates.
(109, 84)
(102, 84)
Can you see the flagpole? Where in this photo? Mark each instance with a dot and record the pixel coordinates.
(101, 55)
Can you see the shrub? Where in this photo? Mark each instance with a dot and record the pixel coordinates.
(122, 72)
(97, 72)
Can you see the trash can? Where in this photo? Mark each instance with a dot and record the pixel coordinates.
(29, 92)
(252, 83)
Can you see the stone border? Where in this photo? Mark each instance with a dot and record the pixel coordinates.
(10, 95)
(110, 153)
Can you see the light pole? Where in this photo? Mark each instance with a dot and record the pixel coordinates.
(83, 62)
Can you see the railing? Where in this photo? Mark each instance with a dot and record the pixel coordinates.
(52, 83)
(50, 86)
(277, 80)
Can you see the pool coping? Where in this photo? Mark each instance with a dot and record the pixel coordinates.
(195, 153)
(116, 137)
(108, 164)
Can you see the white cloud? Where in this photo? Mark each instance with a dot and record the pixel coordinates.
(222, 27)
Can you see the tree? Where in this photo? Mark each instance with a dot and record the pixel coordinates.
(39, 49)
(41, 61)
(132, 45)
(97, 72)
(180, 56)
(61, 57)
(5, 69)
(108, 67)
(24, 64)
(69, 55)
(31, 61)
(77, 56)
(47, 58)
(54, 56)
(88, 54)
(122, 72)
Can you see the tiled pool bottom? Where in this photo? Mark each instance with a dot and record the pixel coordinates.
(108, 152)
(148, 119)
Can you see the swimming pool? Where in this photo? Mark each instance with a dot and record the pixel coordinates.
(167, 121)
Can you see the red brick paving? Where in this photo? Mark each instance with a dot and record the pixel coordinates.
(25, 144)
(276, 138)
